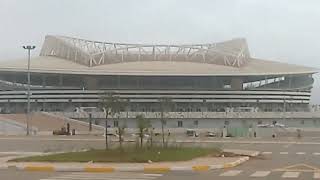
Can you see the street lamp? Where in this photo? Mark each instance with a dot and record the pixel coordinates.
(29, 48)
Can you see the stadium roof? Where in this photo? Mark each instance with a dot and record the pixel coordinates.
(45, 64)
(66, 55)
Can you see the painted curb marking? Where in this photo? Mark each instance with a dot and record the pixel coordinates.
(39, 168)
(146, 169)
(98, 169)
(201, 168)
(160, 169)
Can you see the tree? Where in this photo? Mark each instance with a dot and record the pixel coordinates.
(143, 125)
(165, 105)
(112, 105)
(121, 131)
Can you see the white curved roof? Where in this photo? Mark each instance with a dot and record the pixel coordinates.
(47, 64)
(234, 52)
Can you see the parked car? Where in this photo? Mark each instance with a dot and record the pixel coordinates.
(211, 134)
(265, 125)
(157, 134)
(271, 125)
(280, 125)
(138, 135)
(62, 131)
(192, 132)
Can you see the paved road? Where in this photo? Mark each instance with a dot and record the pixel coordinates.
(279, 160)
(69, 143)
(20, 175)
(12, 174)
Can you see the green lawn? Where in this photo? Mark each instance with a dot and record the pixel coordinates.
(126, 155)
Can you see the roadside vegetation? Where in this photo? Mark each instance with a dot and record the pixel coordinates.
(128, 154)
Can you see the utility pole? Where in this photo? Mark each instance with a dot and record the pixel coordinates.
(29, 48)
(90, 122)
(106, 129)
(284, 110)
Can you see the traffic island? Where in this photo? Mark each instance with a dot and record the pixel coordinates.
(145, 160)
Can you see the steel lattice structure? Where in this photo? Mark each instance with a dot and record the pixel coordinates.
(92, 53)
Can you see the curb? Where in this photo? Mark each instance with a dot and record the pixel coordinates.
(243, 152)
(109, 169)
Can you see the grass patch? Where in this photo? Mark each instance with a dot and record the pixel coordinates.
(126, 155)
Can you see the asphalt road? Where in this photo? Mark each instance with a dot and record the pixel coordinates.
(12, 174)
(280, 159)
(69, 143)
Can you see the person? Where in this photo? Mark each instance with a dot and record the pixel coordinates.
(68, 128)
(299, 133)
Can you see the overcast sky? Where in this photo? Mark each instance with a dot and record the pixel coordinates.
(280, 30)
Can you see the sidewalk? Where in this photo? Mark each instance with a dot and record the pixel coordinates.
(198, 164)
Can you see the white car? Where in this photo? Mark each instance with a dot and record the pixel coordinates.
(280, 125)
(271, 125)
(138, 135)
(265, 125)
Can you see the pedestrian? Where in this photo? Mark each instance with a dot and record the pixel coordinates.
(299, 133)
(68, 128)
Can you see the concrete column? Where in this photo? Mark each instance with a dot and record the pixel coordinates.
(118, 81)
(60, 80)
(44, 106)
(265, 81)
(290, 81)
(237, 83)
(44, 78)
(14, 79)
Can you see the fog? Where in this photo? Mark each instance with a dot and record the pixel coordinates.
(280, 30)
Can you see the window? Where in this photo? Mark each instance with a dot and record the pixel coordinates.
(195, 122)
(302, 122)
(180, 124)
(259, 122)
(226, 122)
(115, 123)
(198, 110)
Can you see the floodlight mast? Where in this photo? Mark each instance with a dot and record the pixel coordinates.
(28, 48)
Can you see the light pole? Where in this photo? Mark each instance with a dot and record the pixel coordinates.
(29, 48)
(284, 110)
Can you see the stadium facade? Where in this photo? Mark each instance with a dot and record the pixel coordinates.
(208, 83)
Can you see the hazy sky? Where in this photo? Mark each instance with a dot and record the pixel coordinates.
(281, 30)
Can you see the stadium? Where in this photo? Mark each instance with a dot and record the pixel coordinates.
(212, 85)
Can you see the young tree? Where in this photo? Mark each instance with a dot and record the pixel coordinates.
(121, 131)
(112, 105)
(143, 125)
(165, 105)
